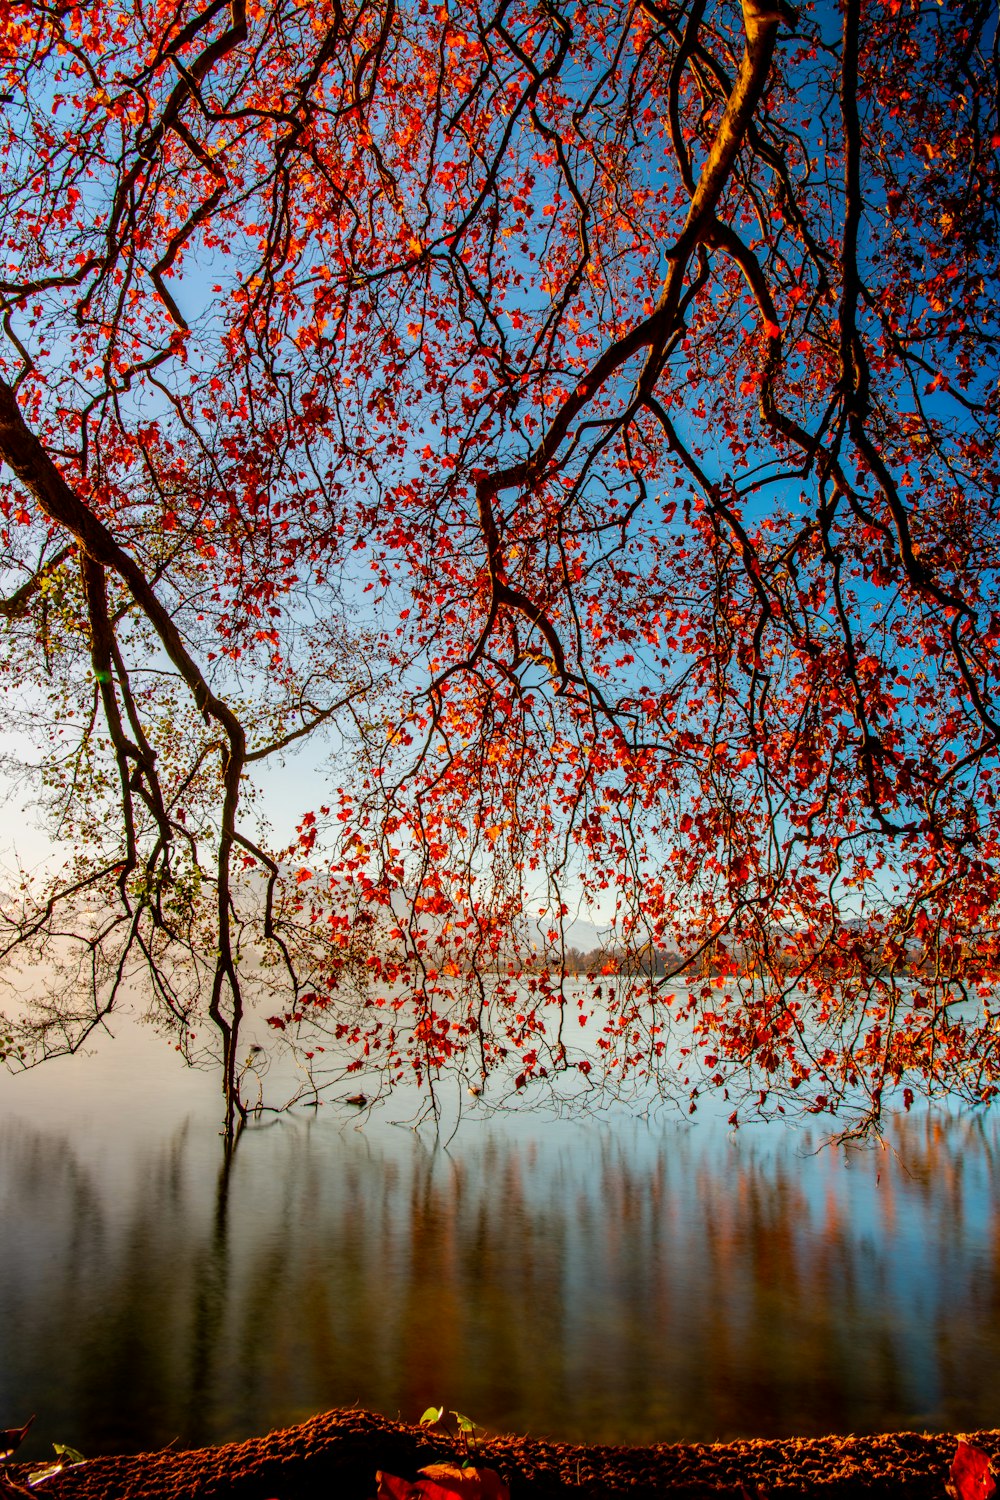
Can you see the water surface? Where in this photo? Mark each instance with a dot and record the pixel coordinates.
(611, 1281)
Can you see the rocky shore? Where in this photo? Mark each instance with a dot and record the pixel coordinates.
(335, 1456)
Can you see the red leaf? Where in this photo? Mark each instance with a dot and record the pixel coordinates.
(474, 1484)
(971, 1477)
(392, 1488)
(444, 1482)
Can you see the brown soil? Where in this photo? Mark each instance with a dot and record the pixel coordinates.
(335, 1457)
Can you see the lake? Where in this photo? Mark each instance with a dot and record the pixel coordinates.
(589, 1280)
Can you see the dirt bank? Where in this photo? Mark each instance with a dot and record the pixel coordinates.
(335, 1456)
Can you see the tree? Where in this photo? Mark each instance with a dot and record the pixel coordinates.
(584, 413)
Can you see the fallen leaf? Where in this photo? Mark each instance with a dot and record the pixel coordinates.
(443, 1482)
(971, 1477)
(472, 1484)
(391, 1487)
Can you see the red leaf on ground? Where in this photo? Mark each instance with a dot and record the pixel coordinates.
(390, 1487)
(443, 1482)
(971, 1477)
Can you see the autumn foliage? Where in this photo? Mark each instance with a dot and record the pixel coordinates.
(971, 1474)
(444, 1482)
(583, 418)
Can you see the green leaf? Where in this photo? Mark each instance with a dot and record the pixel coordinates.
(431, 1415)
(465, 1424)
(65, 1458)
(69, 1455)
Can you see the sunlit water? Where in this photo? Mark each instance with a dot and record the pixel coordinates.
(592, 1281)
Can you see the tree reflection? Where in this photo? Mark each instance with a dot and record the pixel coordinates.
(589, 1283)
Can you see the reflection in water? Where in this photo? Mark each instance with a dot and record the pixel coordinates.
(591, 1282)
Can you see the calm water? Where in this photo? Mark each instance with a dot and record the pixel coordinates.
(616, 1282)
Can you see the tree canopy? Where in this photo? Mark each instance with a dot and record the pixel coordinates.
(582, 415)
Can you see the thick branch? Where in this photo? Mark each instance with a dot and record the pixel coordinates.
(21, 449)
(761, 22)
